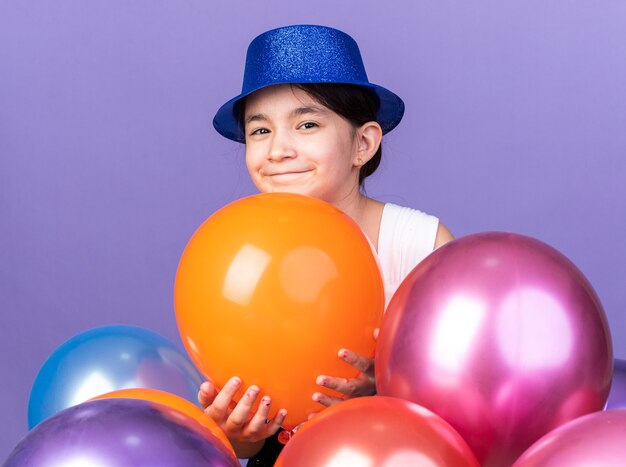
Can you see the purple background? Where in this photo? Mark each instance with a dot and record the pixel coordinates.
(516, 120)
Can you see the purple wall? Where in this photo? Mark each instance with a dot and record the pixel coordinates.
(516, 120)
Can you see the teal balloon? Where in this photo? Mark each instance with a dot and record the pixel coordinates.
(106, 359)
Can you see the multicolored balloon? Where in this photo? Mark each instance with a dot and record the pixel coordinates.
(120, 432)
(105, 359)
(595, 439)
(617, 395)
(376, 431)
(502, 336)
(270, 288)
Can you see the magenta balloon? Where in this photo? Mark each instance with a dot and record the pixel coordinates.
(617, 395)
(501, 336)
(596, 439)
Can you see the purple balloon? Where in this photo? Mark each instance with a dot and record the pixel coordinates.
(500, 335)
(120, 432)
(617, 394)
(596, 439)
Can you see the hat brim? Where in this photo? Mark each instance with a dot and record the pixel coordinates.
(390, 111)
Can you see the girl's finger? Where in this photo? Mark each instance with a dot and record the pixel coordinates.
(325, 399)
(349, 387)
(258, 423)
(277, 422)
(206, 394)
(363, 364)
(241, 413)
(218, 410)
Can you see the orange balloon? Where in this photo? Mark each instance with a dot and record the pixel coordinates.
(270, 288)
(175, 402)
(376, 431)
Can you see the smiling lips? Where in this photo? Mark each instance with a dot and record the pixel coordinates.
(286, 173)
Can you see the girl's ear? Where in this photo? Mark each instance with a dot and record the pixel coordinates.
(368, 139)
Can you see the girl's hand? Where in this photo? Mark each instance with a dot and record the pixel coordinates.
(246, 430)
(363, 385)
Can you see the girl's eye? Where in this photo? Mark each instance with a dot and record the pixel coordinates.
(260, 131)
(308, 125)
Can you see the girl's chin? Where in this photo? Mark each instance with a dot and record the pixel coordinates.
(295, 189)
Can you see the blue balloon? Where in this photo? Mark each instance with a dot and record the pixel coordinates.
(106, 359)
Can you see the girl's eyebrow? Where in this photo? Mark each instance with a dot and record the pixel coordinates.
(256, 118)
(307, 110)
(294, 113)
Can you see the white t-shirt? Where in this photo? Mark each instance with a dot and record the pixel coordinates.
(406, 237)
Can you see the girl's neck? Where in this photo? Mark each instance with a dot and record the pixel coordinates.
(366, 212)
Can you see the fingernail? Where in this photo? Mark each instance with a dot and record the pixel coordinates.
(343, 353)
(282, 413)
(235, 382)
(266, 401)
(252, 391)
(316, 397)
(322, 381)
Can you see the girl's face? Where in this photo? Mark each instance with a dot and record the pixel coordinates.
(294, 144)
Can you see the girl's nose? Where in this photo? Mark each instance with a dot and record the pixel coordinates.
(281, 147)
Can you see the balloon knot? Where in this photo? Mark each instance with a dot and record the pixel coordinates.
(284, 436)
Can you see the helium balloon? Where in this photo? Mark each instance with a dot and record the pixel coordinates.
(594, 439)
(105, 359)
(270, 288)
(617, 394)
(120, 432)
(500, 335)
(376, 431)
(173, 401)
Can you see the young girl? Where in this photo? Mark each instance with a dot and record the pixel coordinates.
(313, 124)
